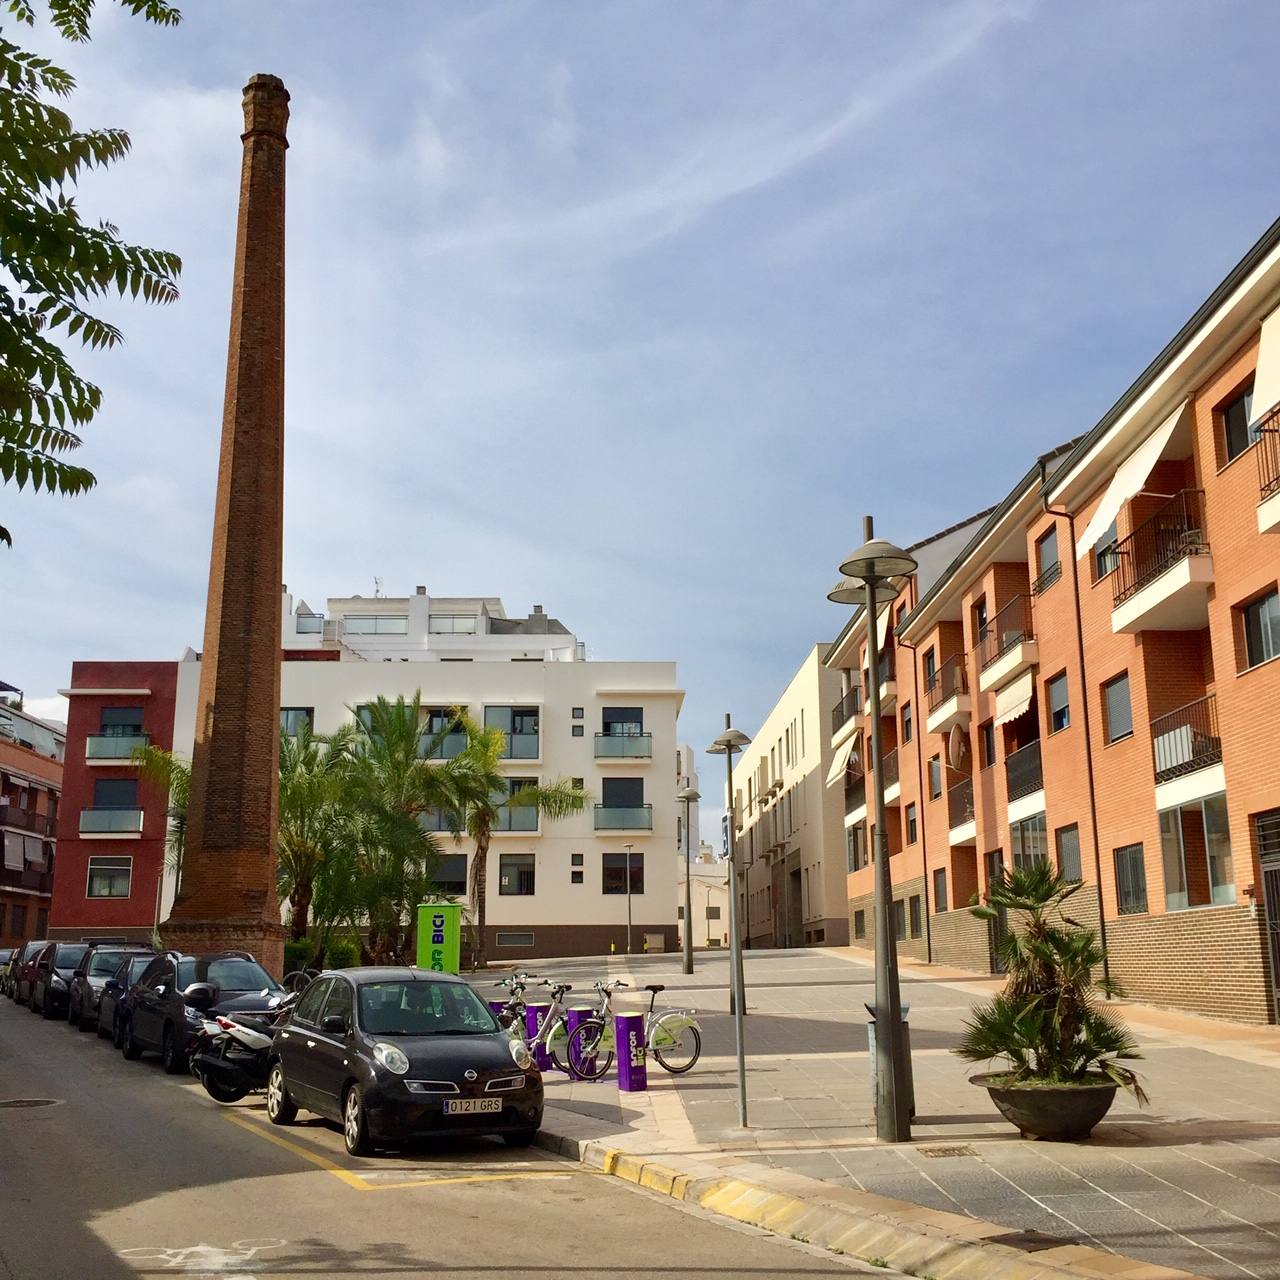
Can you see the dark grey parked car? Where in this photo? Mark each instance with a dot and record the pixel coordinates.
(91, 975)
(51, 982)
(115, 995)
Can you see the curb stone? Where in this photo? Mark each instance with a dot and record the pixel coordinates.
(910, 1238)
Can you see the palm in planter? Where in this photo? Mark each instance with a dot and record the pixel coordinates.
(1065, 1052)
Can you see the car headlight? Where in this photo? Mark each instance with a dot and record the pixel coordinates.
(57, 983)
(387, 1055)
(521, 1055)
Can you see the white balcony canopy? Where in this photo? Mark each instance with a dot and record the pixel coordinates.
(1128, 480)
(1266, 378)
(841, 761)
(1014, 699)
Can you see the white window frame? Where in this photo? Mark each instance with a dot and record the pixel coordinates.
(107, 857)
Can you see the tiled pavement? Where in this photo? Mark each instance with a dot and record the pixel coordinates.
(1191, 1182)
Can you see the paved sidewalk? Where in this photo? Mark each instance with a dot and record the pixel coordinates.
(1192, 1182)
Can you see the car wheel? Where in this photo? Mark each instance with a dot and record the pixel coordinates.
(520, 1138)
(172, 1059)
(280, 1107)
(355, 1130)
(131, 1049)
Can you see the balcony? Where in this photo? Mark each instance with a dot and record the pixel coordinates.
(855, 797)
(113, 748)
(1164, 570)
(516, 817)
(309, 624)
(1007, 646)
(889, 772)
(1023, 774)
(40, 882)
(1048, 576)
(25, 820)
(110, 821)
(948, 695)
(961, 816)
(1186, 740)
(636, 817)
(1269, 472)
(845, 711)
(449, 747)
(624, 746)
(521, 746)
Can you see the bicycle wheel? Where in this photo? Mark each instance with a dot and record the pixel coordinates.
(588, 1052)
(675, 1042)
(557, 1045)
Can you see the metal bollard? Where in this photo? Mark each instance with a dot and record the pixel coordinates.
(629, 1033)
(533, 1016)
(906, 1055)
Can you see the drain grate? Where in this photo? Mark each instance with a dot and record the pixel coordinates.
(945, 1153)
(29, 1102)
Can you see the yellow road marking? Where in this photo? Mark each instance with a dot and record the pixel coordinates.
(360, 1183)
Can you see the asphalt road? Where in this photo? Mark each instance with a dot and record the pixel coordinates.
(131, 1172)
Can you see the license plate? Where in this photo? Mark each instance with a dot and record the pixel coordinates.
(470, 1106)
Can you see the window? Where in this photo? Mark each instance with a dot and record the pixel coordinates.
(1119, 714)
(614, 872)
(1105, 557)
(713, 913)
(624, 722)
(576, 730)
(914, 907)
(907, 726)
(514, 938)
(291, 719)
(371, 625)
(120, 722)
(1131, 881)
(516, 874)
(576, 859)
(577, 713)
(940, 890)
(1047, 563)
(855, 845)
(930, 667)
(900, 614)
(1195, 846)
(451, 875)
(979, 619)
(115, 793)
(575, 877)
(911, 824)
(622, 793)
(340, 1002)
(1236, 436)
(1261, 620)
(517, 817)
(308, 1008)
(451, 624)
(935, 777)
(1068, 842)
(1056, 696)
(42, 921)
(109, 877)
(859, 924)
(1028, 841)
(987, 744)
(579, 783)
(900, 920)
(680, 912)
(520, 724)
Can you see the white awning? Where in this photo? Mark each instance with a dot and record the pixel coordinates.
(1266, 378)
(12, 851)
(1128, 480)
(1014, 699)
(841, 761)
(35, 850)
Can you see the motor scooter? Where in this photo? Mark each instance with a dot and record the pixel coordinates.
(232, 1056)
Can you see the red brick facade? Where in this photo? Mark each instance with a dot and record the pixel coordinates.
(30, 786)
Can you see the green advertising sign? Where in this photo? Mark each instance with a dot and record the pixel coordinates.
(440, 936)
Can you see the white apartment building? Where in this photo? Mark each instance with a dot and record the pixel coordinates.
(687, 776)
(790, 825)
(708, 897)
(555, 888)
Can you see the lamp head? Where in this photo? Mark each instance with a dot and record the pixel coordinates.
(730, 742)
(853, 591)
(689, 794)
(877, 558)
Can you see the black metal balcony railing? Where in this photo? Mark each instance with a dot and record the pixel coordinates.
(1048, 576)
(1023, 771)
(890, 768)
(1269, 453)
(855, 792)
(881, 673)
(25, 820)
(960, 801)
(1186, 739)
(1173, 533)
(844, 710)
(948, 680)
(1010, 627)
(28, 878)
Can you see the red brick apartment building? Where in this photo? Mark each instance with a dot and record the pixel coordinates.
(31, 754)
(1095, 678)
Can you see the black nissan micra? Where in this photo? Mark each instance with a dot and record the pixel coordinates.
(393, 1053)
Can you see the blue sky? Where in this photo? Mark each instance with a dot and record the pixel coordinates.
(633, 309)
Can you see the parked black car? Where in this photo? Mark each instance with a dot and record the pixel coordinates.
(100, 961)
(51, 980)
(115, 995)
(391, 1053)
(24, 969)
(167, 1005)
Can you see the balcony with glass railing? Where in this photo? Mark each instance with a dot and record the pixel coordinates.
(113, 748)
(1186, 740)
(435, 746)
(1023, 772)
(521, 746)
(1007, 645)
(309, 624)
(111, 820)
(636, 817)
(947, 694)
(1164, 570)
(624, 746)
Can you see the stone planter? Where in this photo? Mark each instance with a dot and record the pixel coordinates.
(1054, 1113)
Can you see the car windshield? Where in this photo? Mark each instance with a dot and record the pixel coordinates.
(423, 1008)
(103, 964)
(229, 973)
(68, 957)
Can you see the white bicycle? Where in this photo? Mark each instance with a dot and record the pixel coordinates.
(672, 1037)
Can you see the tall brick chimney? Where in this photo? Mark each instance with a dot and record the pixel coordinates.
(227, 894)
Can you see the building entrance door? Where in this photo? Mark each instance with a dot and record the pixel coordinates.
(795, 909)
(1267, 829)
(997, 928)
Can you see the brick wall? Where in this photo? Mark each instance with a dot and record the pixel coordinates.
(962, 940)
(904, 892)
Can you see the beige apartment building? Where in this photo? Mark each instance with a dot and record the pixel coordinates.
(792, 886)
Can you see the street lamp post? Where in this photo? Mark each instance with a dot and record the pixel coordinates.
(866, 581)
(628, 848)
(729, 744)
(688, 795)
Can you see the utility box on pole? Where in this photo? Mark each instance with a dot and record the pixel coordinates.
(440, 936)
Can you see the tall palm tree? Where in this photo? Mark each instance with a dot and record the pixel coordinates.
(172, 773)
(482, 796)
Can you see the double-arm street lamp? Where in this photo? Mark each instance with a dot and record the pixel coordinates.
(729, 744)
(866, 582)
(688, 795)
